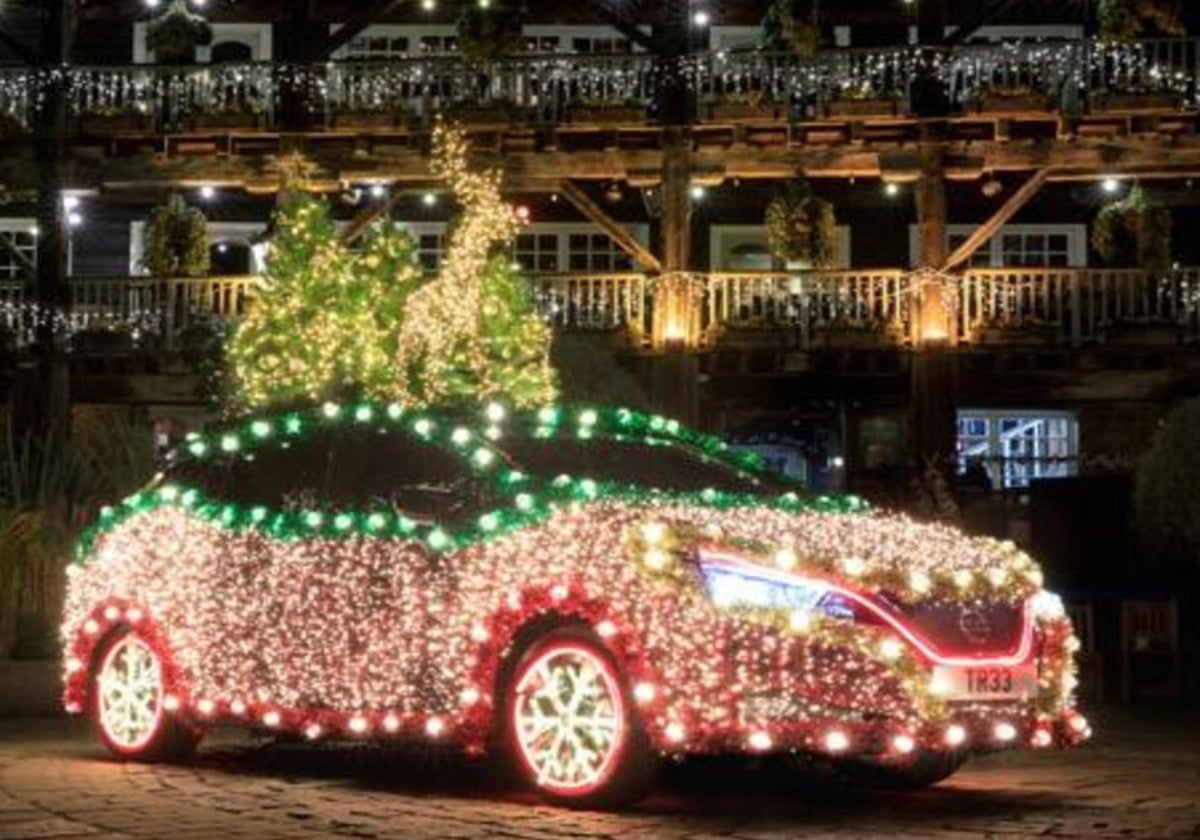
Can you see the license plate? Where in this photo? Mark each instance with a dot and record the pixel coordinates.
(985, 682)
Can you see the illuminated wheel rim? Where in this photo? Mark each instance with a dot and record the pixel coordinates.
(129, 694)
(568, 719)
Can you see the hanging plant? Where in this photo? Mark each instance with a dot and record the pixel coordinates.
(1133, 231)
(801, 227)
(791, 25)
(491, 33)
(177, 240)
(1125, 20)
(175, 34)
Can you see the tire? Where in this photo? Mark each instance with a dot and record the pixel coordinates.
(611, 763)
(126, 694)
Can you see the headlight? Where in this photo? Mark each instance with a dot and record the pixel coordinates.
(733, 583)
(730, 587)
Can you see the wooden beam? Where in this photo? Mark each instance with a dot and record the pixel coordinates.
(619, 235)
(1005, 212)
(353, 28)
(366, 218)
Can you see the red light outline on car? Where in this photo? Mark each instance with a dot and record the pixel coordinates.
(718, 558)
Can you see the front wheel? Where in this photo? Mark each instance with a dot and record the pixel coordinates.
(128, 703)
(570, 729)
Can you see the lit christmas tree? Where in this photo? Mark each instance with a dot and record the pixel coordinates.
(328, 319)
(472, 333)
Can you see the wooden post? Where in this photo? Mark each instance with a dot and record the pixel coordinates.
(932, 316)
(42, 400)
(933, 401)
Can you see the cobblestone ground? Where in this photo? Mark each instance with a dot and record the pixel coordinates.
(1140, 778)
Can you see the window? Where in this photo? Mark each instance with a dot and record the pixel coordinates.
(555, 247)
(744, 248)
(237, 248)
(1019, 246)
(1016, 447)
(588, 40)
(18, 249)
(351, 469)
(381, 42)
(255, 40)
(596, 252)
(982, 258)
(537, 252)
(665, 467)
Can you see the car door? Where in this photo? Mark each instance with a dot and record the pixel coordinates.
(407, 587)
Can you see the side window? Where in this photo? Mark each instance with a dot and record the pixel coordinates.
(376, 469)
(344, 469)
(663, 467)
(293, 476)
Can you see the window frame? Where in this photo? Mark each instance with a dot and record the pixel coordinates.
(1008, 471)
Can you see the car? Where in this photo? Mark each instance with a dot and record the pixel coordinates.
(576, 590)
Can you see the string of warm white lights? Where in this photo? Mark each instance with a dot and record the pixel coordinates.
(174, 92)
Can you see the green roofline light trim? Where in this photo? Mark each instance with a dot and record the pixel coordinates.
(453, 434)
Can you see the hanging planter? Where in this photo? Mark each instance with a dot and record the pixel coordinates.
(1127, 20)
(790, 26)
(491, 33)
(1133, 232)
(801, 227)
(177, 241)
(174, 35)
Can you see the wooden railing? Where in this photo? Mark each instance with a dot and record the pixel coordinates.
(1077, 306)
(1065, 306)
(156, 312)
(542, 87)
(810, 302)
(593, 302)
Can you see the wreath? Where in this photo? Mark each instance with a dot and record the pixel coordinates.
(1125, 20)
(174, 35)
(177, 241)
(1133, 231)
(488, 34)
(801, 227)
(789, 25)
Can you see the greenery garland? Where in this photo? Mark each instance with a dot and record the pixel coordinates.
(801, 227)
(177, 240)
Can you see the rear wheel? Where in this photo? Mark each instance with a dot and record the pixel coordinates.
(128, 696)
(571, 732)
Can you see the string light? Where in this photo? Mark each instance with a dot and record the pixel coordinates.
(311, 633)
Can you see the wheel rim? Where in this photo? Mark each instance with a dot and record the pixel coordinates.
(568, 718)
(129, 696)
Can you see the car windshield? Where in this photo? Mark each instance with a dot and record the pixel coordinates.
(662, 466)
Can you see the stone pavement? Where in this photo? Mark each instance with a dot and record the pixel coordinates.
(1140, 778)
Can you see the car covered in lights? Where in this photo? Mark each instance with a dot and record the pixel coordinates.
(576, 590)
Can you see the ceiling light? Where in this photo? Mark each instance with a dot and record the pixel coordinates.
(1110, 185)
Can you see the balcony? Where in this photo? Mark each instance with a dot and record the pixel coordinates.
(1061, 307)
(1073, 76)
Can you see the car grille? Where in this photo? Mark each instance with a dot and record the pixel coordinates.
(968, 629)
